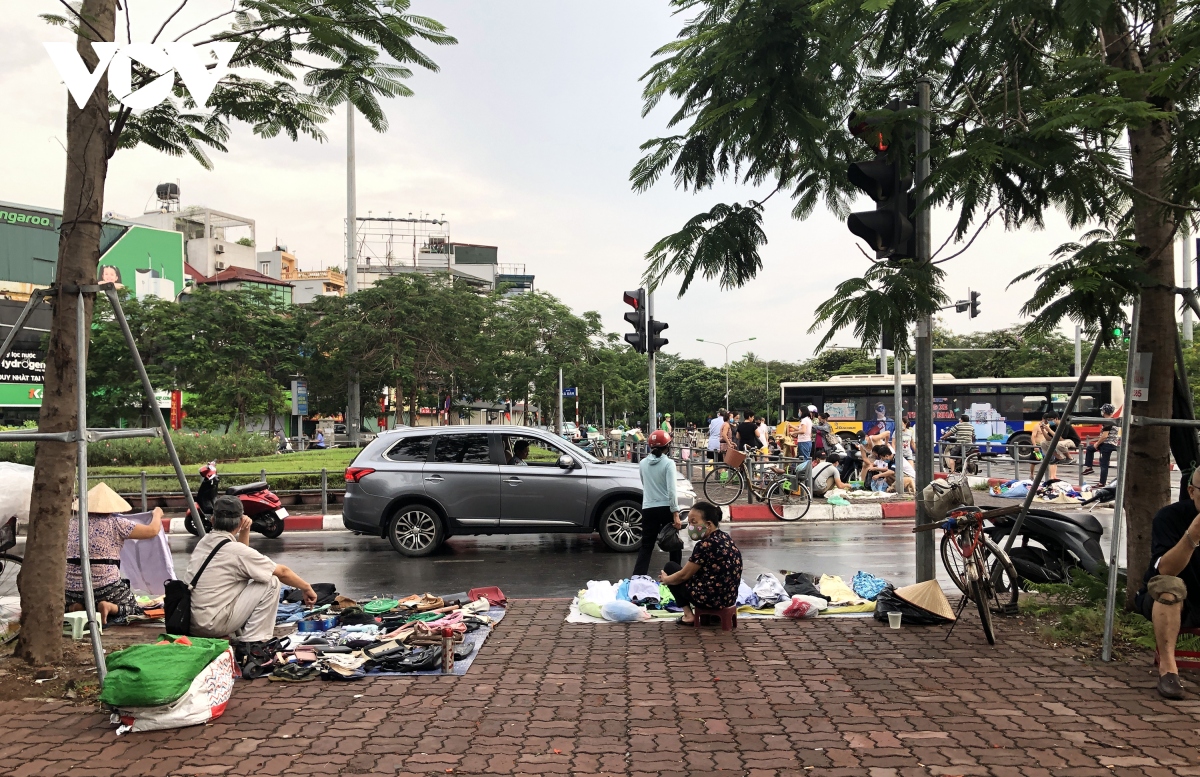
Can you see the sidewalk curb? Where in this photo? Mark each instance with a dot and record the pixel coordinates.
(292, 523)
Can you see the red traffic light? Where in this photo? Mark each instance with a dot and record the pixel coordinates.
(861, 127)
(634, 299)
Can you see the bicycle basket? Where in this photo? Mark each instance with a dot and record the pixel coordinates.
(734, 458)
(8, 534)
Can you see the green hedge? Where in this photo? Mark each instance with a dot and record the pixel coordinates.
(150, 451)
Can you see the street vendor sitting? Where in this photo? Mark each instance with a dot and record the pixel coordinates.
(238, 595)
(709, 580)
(107, 531)
(1170, 597)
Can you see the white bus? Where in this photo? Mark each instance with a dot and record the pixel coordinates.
(1004, 410)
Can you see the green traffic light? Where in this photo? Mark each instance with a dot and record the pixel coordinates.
(1117, 331)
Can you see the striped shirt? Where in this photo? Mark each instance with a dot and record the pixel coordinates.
(964, 432)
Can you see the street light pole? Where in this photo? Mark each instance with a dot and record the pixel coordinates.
(726, 347)
(353, 423)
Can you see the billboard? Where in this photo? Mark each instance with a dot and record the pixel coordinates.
(148, 262)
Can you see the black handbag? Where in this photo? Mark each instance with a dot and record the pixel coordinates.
(177, 601)
(668, 539)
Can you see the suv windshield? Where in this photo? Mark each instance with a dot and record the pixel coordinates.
(578, 452)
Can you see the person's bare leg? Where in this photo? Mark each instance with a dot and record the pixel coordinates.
(105, 609)
(1166, 631)
(689, 616)
(1053, 472)
(76, 607)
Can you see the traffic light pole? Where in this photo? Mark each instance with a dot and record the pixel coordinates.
(653, 390)
(924, 345)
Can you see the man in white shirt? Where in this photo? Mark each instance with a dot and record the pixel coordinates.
(238, 594)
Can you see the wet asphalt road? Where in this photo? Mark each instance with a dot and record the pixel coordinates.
(535, 566)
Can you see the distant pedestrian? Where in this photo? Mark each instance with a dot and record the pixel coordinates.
(715, 426)
(660, 504)
(747, 433)
(822, 433)
(727, 441)
(804, 435)
(1105, 444)
(666, 424)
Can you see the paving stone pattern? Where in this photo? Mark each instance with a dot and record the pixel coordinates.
(774, 698)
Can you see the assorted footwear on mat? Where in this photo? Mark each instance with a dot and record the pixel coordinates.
(799, 595)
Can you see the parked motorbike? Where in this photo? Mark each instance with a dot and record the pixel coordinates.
(1051, 544)
(968, 464)
(258, 501)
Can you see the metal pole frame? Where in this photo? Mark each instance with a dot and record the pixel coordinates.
(85, 561)
(1118, 525)
(924, 345)
(119, 313)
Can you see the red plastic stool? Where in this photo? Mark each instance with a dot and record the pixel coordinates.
(728, 616)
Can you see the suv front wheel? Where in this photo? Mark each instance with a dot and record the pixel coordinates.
(621, 526)
(415, 531)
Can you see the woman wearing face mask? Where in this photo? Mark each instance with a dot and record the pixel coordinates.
(660, 506)
(710, 578)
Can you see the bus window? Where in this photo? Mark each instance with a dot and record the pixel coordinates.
(981, 402)
(1033, 407)
(841, 408)
(1012, 407)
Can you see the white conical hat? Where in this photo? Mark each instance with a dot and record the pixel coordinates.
(929, 597)
(102, 500)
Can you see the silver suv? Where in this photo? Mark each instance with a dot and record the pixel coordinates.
(418, 486)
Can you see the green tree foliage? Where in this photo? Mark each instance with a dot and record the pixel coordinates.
(115, 388)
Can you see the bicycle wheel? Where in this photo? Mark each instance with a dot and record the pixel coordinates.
(788, 505)
(724, 485)
(10, 599)
(955, 564)
(982, 597)
(1005, 583)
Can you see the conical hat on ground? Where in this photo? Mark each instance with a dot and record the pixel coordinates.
(102, 500)
(929, 597)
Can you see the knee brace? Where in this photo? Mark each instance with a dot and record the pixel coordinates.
(1167, 589)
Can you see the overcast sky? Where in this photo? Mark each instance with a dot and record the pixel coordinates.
(524, 140)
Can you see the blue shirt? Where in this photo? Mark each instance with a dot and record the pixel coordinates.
(714, 433)
(658, 482)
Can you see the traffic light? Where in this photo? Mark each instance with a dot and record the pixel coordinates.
(637, 317)
(1120, 333)
(656, 343)
(889, 228)
(974, 304)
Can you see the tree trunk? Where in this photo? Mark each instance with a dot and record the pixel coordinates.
(1148, 477)
(43, 575)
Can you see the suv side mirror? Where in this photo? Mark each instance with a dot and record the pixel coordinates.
(566, 462)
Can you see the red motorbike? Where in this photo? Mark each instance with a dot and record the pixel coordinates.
(258, 501)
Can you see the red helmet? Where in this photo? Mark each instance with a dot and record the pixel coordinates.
(659, 439)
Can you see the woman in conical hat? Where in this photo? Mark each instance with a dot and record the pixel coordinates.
(108, 529)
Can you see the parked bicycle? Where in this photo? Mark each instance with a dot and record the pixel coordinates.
(785, 493)
(977, 565)
(10, 567)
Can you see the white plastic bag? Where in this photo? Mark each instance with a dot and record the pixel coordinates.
(623, 612)
(798, 607)
(205, 700)
(17, 480)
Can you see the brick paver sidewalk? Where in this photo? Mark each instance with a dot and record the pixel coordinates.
(823, 697)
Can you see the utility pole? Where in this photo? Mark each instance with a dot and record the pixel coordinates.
(1079, 347)
(1188, 281)
(896, 437)
(650, 351)
(924, 344)
(352, 399)
(603, 417)
(769, 393)
(560, 410)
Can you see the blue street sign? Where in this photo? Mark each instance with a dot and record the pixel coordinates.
(571, 392)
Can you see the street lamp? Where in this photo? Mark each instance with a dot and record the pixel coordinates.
(726, 347)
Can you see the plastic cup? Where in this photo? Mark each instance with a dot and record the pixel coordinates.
(894, 619)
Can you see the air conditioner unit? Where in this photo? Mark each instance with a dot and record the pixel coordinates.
(220, 266)
(219, 248)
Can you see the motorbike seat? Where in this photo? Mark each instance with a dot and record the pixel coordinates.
(249, 488)
(1086, 521)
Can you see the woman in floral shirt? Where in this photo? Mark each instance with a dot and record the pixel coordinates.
(710, 578)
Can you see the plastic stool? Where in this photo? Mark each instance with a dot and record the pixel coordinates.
(76, 623)
(728, 616)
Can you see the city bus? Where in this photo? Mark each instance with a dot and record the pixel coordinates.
(1004, 410)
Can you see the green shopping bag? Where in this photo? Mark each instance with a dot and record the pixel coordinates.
(153, 675)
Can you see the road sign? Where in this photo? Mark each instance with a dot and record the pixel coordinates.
(571, 392)
(299, 397)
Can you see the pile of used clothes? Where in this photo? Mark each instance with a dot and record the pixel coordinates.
(641, 598)
(339, 638)
(1052, 491)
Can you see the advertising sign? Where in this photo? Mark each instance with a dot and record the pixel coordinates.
(148, 262)
(942, 411)
(299, 397)
(176, 410)
(23, 365)
(1141, 377)
(845, 411)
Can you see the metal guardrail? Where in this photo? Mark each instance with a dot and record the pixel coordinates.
(248, 477)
